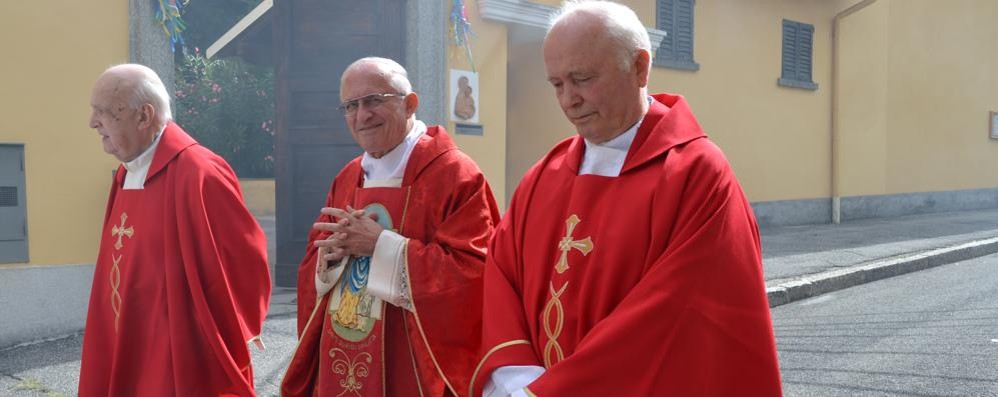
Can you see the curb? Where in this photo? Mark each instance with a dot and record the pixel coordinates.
(834, 280)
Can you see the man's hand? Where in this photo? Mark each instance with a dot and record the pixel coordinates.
(353, 234)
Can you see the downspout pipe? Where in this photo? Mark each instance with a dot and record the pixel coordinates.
(835, 149)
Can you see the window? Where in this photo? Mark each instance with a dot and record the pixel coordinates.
(14, 227)
(675, 17)
(798, 41)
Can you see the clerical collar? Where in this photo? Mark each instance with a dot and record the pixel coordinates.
(607, 158)
(392, 164)
(135, 178)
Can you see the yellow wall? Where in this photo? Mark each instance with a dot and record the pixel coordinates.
(777, 138)
(862, 101)
(536, 122)
(917, 83)
(942, 66)
(259, 196)
(55, 50)
(489, 52)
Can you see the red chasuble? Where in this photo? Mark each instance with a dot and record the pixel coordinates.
(447, 211)
(645, 284)
(181, 283)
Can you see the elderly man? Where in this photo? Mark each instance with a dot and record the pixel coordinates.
(389, 291)
(182, 282)
(628, 263)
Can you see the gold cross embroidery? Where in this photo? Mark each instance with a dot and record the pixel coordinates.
(121, 231)
(567, 243)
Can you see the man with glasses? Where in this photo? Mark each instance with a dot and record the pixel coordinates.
(389, 291)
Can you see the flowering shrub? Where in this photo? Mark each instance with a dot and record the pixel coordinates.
(228, 106)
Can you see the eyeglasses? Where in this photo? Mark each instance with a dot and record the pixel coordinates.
(349, 108)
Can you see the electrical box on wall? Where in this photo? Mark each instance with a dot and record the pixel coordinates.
(13, 205)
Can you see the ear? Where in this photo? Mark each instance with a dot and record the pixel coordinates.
(642, 66)
(147, 115)
(411, 103)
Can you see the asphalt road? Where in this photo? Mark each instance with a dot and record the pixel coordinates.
(929, 333)
(52, 368)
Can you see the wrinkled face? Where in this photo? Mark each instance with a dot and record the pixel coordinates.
(378, 125)
(599, 98)
(117, 124)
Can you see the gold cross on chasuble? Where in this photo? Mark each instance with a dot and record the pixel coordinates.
(121, 231)
(567, 244)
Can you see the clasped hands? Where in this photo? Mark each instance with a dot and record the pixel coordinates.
(354, 233)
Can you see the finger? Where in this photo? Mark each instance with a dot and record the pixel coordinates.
(328, 243)
(373, 216)
(336, 212)
(333, 260)
(325, 226)
(337, 261)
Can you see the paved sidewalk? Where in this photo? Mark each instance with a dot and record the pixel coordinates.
(804, 261)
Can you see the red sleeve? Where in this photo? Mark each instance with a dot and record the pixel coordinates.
(307, 298)
(306, 269)
(445, 269)
(226, 278)
(505, 334)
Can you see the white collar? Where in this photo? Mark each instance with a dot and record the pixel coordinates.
(392, 164)
(607, 158)
(138, 168)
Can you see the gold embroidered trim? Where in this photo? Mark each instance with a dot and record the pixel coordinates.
(405, 209)
(553, 332)
(412, 355)
(115, 295)
(529, 393)
(115, 273)
(384, 372)
(474, 375)
(352, 368)
(298, 345)
(419, 324)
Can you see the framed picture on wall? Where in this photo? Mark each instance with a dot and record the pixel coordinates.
(993, 125)
(464, 96)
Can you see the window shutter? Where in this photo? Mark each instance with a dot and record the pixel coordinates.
(790, 41)
(684, 30)
(666, 21)
(798, 43)
(805, 34)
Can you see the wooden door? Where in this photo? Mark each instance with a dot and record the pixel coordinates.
(315, 40)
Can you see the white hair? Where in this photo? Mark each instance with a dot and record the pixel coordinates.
(146, 87)
(391, 71)
(620, 22)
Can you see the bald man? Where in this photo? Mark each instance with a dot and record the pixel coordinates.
(182, 283)
(628, 262)
(389, 291)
